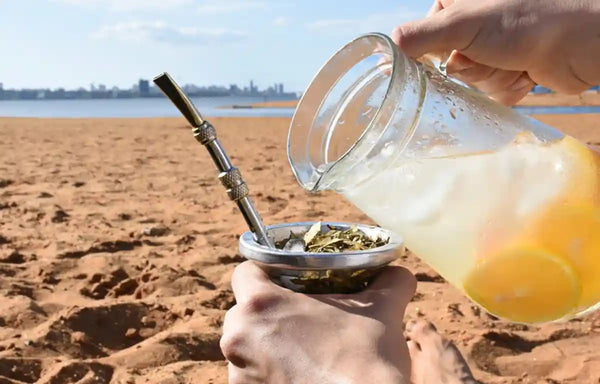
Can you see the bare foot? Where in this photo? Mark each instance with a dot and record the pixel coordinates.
(435, 359)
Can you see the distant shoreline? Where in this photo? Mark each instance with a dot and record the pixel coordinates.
(246, 107)
(266, 104)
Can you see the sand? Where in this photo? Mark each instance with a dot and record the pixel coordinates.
(117, 244)
(276, 104)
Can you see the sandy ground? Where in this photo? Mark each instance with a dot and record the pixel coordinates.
(277, 104)
(587, 98)
(117, 244)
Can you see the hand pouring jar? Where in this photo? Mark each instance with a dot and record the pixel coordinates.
(505, 208)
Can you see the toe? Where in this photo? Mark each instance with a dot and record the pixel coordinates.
(417, 330)
(413, 348)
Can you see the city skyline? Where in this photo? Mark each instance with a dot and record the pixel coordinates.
(98, 86)
(114, 42)
(143, 88)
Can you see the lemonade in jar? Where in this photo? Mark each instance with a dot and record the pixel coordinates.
(505, 208)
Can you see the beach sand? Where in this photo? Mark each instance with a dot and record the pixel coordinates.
(117, 244)
(277, 104)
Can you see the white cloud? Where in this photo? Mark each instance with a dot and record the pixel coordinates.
(129, 5)
(214, 7)
(158, 31)
(376, 22)
(281, 22)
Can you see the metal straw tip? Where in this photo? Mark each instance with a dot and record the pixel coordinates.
(174, 92)
(160, 77)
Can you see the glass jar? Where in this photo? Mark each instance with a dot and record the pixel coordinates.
(504, 207)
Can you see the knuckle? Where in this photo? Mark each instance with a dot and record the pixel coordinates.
(261, 302)
(232, 318)
(239, 272)
(397, 34)
(231, 345)
(404, 36)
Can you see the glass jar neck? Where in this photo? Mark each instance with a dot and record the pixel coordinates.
(357, 114)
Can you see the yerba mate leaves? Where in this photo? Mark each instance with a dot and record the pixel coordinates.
(333, 240)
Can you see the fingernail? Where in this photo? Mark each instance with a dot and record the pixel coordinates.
(523, 82)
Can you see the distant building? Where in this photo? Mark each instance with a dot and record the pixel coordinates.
(102, 88)
(189, 88)
(144, 87)
(154, 90)
(1, 87)
(234, 89)
(92, 87)
(280, 89)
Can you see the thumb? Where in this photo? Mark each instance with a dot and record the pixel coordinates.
(396, 284)
(452, 28)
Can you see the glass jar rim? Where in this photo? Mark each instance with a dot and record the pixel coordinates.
(316, 177)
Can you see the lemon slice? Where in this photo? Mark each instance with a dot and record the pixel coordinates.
(525, 284)
(574, 233)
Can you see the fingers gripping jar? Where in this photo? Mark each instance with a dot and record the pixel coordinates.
(504, 207)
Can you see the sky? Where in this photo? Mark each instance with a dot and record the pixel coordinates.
(73, 43)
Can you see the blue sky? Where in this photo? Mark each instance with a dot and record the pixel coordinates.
(72, 43)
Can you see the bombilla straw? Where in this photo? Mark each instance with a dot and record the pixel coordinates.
(230, 177)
